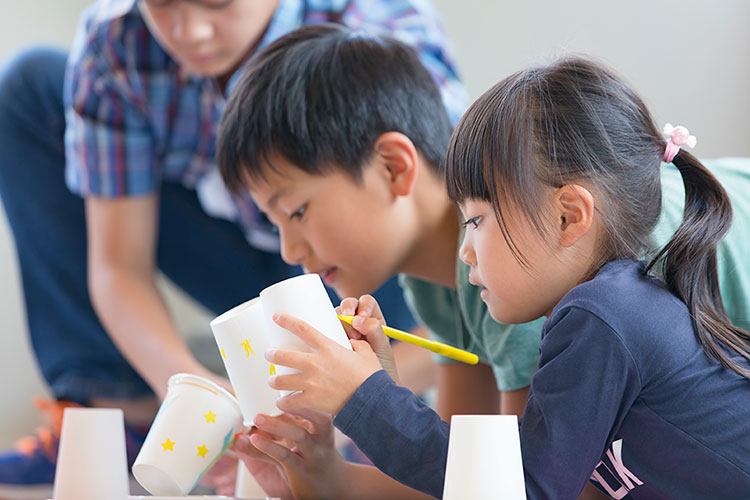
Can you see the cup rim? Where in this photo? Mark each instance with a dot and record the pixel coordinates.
(179, 378)
(306, 276)
(227, 315)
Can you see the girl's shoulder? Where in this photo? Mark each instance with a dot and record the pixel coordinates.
(623, 304)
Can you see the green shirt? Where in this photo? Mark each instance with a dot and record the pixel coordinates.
(460, 318)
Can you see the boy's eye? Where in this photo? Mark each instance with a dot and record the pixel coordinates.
(299, 213)
(474, 221)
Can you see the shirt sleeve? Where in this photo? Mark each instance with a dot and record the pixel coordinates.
(381, 415)
(417, 23)
(109, 146)
(586, 382)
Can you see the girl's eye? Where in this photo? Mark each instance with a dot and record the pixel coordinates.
(474, 221)
(299, 213)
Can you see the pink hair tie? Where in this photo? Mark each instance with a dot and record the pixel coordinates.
(678, 136)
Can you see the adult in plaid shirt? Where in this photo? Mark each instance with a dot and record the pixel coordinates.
(137, 101)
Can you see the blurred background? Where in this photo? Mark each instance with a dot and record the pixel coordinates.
(689, 60)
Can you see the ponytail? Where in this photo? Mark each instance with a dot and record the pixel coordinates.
(690, 265)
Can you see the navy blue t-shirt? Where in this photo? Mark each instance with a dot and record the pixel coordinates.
(623, 395)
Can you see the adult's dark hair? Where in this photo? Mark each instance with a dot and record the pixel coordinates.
(575, 120)
(320, 97)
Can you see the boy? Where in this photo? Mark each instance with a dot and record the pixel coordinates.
(145, 86)
(342, 151)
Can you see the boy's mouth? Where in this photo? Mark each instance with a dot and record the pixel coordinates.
(328, 275)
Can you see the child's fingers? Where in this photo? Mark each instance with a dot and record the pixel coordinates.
(292, 403)
(244, 447)
(281, 427)
(369, 307)
(348, 306)
(351, 332)
(290, 359)
(298, 439)
(361, 345)
(372, 329)
(319, 419)
(305, 332)
(288, 382)
(276, 451)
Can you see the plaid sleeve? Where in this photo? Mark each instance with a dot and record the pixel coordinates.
(416, 23)
(108, 143)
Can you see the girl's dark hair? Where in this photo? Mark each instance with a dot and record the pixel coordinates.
(574, 121)
(320, 97)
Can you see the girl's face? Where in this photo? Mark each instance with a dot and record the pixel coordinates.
(208, 37)
(513, 293)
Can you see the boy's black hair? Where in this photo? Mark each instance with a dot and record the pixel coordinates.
(320, 97)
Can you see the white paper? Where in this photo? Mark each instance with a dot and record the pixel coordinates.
(91, 459)
(240, 334)
(484, 459)
(195, 424)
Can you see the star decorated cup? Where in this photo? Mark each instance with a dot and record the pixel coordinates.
(196, 423)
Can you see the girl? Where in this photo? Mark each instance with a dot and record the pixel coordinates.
(642, 383)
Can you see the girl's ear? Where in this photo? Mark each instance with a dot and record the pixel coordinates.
(574, 206)
(400, 157)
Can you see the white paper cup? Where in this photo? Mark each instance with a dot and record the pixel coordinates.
(241, 336)
(196, 422)
(305, 298)
(91, 459)
(484, 459)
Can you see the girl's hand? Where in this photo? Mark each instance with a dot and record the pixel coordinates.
(367, 323)
(303, 446)
(328, 376)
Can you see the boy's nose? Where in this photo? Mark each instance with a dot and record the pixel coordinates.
(191, 24)
(293, 252)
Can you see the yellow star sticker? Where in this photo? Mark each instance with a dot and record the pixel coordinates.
(223, 355)
(272, 370)
(168, 445)
(202, 450)
(248, 349)
(210, 417)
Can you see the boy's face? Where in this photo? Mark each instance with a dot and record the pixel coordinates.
(355, 235)
(208, 37)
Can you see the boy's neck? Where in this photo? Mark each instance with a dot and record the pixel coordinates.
(433, 255)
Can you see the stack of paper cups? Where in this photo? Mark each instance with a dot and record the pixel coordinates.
(241, 336)
(484, 459)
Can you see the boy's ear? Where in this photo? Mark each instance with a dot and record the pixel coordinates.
(399, 155)
(574, 207)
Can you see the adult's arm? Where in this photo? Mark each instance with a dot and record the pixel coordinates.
(122, 236)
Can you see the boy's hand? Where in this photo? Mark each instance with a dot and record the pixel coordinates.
(367, 323)
(303, 445)
(269, 473)
(328, 376)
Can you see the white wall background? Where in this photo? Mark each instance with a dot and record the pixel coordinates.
(690, 60)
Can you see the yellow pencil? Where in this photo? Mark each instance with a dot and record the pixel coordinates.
(436, 347)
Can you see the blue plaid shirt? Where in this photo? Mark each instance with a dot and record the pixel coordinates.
(135, 118)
